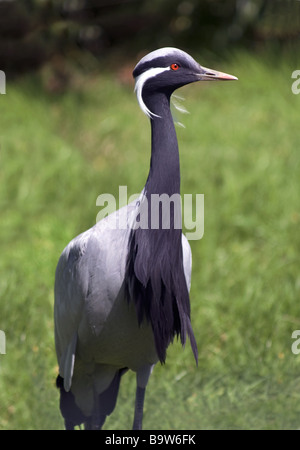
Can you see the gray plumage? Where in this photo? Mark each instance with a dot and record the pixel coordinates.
(122, 294)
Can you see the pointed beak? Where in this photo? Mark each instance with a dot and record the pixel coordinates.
(214, 75)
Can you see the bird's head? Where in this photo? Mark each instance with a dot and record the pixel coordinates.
(167, 69)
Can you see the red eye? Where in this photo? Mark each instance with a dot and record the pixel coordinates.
(174, 66)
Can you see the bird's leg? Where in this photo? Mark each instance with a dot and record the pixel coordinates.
(142, 378)
(139, 407)
(96, 421)
(98, 417)
(69, 425)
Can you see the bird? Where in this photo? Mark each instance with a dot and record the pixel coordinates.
(122, 292)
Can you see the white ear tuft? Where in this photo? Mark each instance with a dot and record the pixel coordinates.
(139, 84)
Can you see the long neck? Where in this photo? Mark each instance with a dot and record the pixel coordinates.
(164, 174)
(155, 278)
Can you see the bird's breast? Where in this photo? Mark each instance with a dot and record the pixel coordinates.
(119, 341)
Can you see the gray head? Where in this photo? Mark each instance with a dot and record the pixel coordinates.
(167, 69)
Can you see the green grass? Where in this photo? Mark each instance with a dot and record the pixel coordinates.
(240, 148)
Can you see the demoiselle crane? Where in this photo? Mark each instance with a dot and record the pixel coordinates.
(122, 289)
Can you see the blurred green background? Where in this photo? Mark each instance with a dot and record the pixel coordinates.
(71, 129)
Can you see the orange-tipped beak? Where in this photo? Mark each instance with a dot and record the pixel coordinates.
(214, 75)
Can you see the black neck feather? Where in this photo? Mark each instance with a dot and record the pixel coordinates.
(155, 278)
